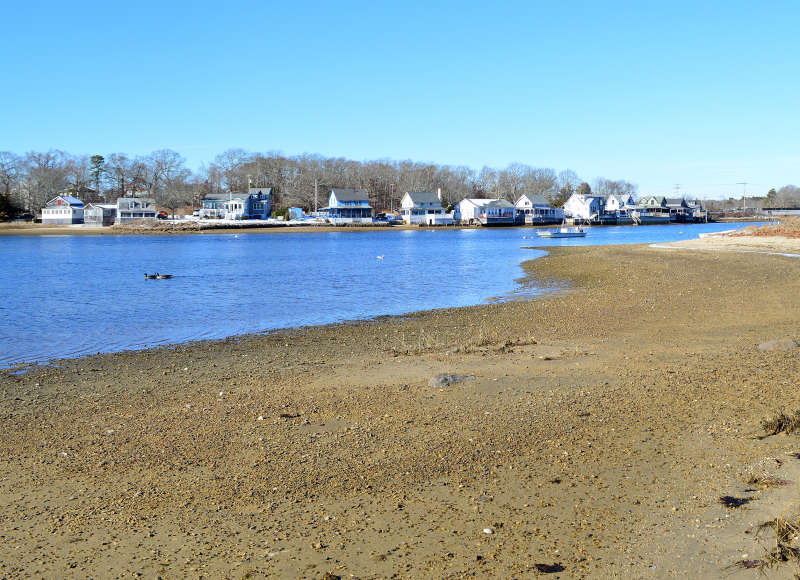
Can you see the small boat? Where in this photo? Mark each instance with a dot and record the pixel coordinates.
(563, 232)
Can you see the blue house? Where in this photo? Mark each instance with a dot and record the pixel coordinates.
(348, 205)
(253, 205)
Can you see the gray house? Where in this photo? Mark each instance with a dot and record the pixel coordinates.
(100, 214)
(253, 205)
(135, 208)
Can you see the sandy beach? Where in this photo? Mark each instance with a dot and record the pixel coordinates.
(592, 436)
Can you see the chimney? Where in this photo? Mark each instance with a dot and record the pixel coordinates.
(439, 193)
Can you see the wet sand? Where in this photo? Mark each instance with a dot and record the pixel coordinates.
(601, 428)
(741, 243)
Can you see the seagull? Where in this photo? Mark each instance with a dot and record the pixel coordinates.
(380, 257)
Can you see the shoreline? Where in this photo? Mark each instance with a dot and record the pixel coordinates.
(626, 404)
(12, 229)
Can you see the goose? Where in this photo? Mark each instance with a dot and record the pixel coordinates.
(163, 276)
(150, 276)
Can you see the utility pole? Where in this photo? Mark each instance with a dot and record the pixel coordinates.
(677, 190)
(744, 194)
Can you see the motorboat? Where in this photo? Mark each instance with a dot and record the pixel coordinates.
(563, 232)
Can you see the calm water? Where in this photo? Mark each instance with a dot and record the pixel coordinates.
(65, 296)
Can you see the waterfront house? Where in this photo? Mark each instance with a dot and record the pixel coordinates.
(698, 212)
(585, 208)
(619, 203)
(135, 208)
(618, 209)
(486, 212)
(63, 210)
(255, 204)
(536, 209)
(651, 209)
(678, 209)
(423, 207)
(347, 206)
(100, 214)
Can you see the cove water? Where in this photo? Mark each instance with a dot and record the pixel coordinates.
(70, 295)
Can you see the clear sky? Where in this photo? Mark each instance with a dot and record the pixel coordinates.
(704, 94)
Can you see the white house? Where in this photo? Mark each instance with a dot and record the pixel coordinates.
(486, 212)
(424, 207)
(619, 209)
(347, 206)
(620, 203)
(535, 209)
(584, 207)
(135, 208)
(63, 210)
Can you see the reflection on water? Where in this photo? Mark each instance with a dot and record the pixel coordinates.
(66, 296)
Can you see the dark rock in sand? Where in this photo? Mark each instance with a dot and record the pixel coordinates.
(447, 379)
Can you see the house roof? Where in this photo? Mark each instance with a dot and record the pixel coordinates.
(102, 205)
(587, 198)
(142, 201)
(535, 199)
(265, 190)
(350, 194)
(225, 196)
(499, 203)
(486, 202)
(423, 197)
(71, 200)
(675, 200)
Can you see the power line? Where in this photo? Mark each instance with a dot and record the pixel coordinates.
(744, 193)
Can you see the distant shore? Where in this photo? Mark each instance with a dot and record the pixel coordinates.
(630, 403)
(28, 229)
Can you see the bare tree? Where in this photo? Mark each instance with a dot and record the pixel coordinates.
(230, 165)
(45, 177)
(78, 177)
(10, 169)
(161, 167)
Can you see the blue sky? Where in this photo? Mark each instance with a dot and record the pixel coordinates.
(704, 94)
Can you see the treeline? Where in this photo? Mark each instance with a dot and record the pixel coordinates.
(28, 181)
(786, 196)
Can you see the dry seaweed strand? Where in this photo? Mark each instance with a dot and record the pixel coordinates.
(782, 423)
(787, 533)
